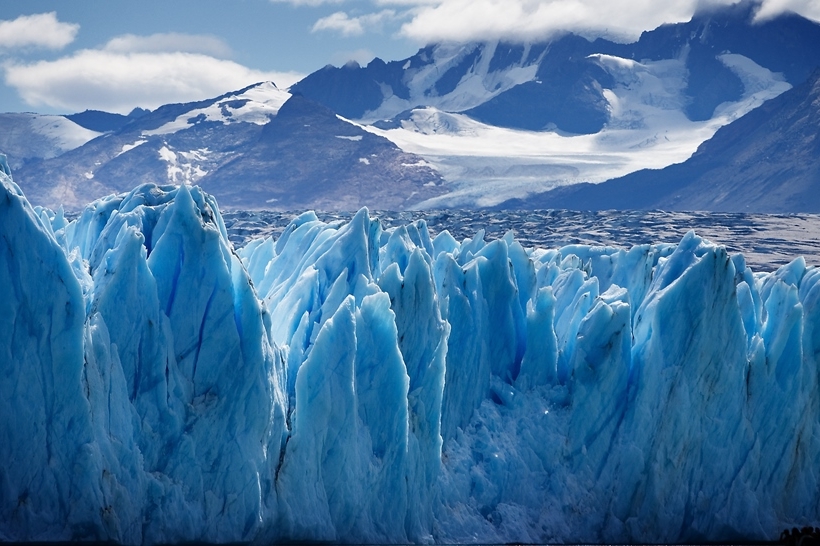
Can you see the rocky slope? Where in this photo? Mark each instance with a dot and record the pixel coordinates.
(239, 147)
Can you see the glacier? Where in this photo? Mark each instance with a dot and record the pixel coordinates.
(350, 383)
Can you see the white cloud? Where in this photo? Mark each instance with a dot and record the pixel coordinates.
(480, 20)
(341, 22)
(353, 26)
(806, 8)
(361, 56)
(41, 30)
(464, 20)
(117, 82)
(170, 42)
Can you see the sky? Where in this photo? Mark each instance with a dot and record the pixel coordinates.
(65, 56)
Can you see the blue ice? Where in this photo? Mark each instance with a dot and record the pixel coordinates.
(350, 383)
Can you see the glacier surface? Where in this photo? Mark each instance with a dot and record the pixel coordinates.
(648, 129)
(350, 383)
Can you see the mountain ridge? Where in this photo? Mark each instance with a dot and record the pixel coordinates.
(217, 142)
(766, 161)
(366, 93)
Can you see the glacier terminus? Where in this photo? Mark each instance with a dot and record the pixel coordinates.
(350, 383)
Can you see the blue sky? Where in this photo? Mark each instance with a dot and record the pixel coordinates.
(62, 56)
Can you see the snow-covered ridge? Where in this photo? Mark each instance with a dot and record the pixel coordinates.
(476, 86)
(27, 136)
(254, 105)
(346, 383)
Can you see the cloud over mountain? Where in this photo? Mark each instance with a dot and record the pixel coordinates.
(354, 26)
(119, 81)
(428, 21)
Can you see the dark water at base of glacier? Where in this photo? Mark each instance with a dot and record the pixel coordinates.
(767, 240)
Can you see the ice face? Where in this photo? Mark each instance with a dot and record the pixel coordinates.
(141, 362)
(347, 383)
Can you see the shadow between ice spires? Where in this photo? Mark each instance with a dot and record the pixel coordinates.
(347, 383)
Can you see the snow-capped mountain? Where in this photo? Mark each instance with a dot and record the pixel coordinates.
(561, 83)
(503, 121)
(235, 146)
(766, 161)
(29, 137)
(471, 125)
(648, 128)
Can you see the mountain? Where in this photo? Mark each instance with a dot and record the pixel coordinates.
(558, 83)
(456, 125)
(503, 121)
(27, 137)
(467, 78)
(484, 164)
(766, 161)
(103, 122)
(306, 157)
(236, 146)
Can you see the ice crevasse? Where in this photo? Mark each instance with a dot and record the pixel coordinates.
(354, 384)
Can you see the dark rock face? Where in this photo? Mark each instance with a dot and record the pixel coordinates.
(765, 161)
(306, 157)
(351, 91)
(567, 94)
(102, 122)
